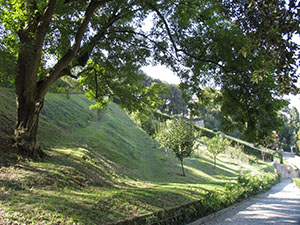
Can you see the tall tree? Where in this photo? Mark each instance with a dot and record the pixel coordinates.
(100, 42)
(175, 103)
(254, 68)
(289, 134)
(252, 107)
(103, 43)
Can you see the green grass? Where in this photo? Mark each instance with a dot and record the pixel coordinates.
(98, 171)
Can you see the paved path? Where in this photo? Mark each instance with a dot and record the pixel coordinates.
(280, 205)
(291, 158)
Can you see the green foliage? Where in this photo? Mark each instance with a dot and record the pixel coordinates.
(104, 44)
(279, 157)
(103, 82)
(104, 171)
(148, 123)
(257, 182)
(175, 103)
(297, 182)
(247, 184)
(251, 149)
(281, 22)
(298, 140)
(66, 85)
(178, 136)
(289, 135)
(215, 146)
(251, 107)
(253, 159)
(7, 67)
(237, 152)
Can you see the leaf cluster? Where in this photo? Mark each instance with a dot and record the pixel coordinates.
(215, 145)
(178, 136)
(271, 26)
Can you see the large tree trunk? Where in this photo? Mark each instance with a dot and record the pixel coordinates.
(26, 127)
(31, 89)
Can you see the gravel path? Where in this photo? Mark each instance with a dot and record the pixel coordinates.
(280, 205)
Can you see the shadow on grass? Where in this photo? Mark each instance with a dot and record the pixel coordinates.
(64, 169)
(87, 205)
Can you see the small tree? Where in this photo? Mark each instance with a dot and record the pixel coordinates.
(178, 136)
(215, 146)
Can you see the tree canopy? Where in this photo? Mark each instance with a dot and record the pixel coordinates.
(104, 43)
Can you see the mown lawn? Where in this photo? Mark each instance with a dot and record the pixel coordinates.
(98, 171)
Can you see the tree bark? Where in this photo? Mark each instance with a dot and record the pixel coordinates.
(26, 127)
(30, 91)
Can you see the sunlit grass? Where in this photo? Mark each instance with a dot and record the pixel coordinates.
(102, 171)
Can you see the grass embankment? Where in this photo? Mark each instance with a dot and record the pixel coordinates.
(98, 172)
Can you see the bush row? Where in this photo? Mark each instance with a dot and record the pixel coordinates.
(149, 124)
(247, 185)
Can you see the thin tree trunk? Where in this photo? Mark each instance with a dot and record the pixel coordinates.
(183, 174)
(262, 155)
(215, 161)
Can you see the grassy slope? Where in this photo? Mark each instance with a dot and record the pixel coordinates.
(97, 171)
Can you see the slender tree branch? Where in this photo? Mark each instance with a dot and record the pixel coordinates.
(203, 60)
(96, 82)
(147, 38)
(84, 71)
(166, 25)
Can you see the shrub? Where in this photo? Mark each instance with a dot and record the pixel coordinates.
(148, 123)
(253, 159)
(257, 182)
(247, 185)
(278, 156)
(215, 146)
(179, 136)
(237, 152)
(212, 201)
(297, 182)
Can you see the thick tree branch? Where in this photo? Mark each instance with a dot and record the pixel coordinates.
(88, 47)
(29, 58)
(44, 25)
(71, 54)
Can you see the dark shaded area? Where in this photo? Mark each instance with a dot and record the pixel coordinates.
(8, 155)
